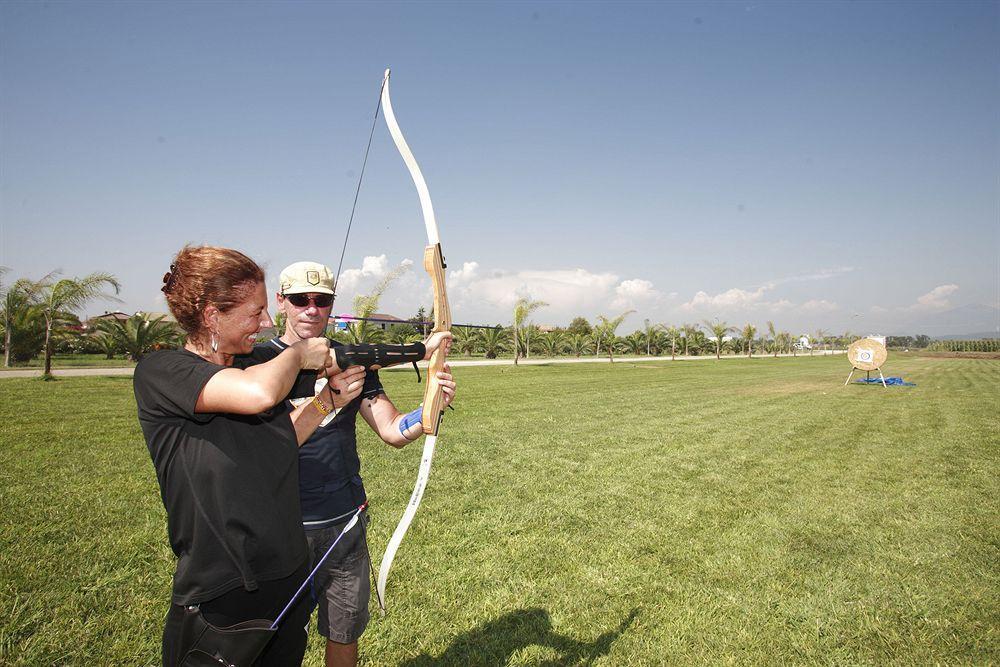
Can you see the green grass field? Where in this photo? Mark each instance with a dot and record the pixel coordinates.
(629, 514)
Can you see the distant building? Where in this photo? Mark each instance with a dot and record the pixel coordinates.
(117, 315)
(380, 320)
(167, 317)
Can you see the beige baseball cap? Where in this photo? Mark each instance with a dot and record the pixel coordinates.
(302, 277)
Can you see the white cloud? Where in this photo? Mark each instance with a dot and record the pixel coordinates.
(739, 301)
(731, 299)
(562, 289)
(371, 267)
(631, 294)
(491, 294)
(468, 272)
(936, 299)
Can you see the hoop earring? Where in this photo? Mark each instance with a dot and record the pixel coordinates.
(215, 343)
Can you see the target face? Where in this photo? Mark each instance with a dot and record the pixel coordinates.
(867, 354)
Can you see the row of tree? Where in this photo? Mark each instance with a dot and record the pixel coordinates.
(601, 339)
(39, 317)
(655, 339)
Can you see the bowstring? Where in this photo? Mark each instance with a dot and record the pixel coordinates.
(357, 190)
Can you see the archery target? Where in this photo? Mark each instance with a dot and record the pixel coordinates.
(867, 354)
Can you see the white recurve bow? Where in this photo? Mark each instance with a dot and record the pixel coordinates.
(433, 396)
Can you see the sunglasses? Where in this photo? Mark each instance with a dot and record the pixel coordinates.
(303, 300)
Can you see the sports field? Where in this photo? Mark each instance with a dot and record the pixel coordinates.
(743, 511)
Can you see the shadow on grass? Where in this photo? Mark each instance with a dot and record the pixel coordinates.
(494, 642)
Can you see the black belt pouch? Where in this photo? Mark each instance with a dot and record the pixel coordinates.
(233, 646)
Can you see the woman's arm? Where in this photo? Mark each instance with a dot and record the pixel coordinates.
(258, 388)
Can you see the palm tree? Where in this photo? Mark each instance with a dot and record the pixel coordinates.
(401, 334)
(607, 328)
(465, 340)
(522, 309)
(672, 332)
(528, 330)
(621, 345)
(749, 331)
(23, 324)
(578, 343)
(106, 343)
(366, 305)
(696, 342)
(719, 330)
(141, 334)
(19, 300)
(280, 320)
(658, 341)
(649, 336)
(553, 343)
(783, 340)
(596, 336)
(687, 331)
(636, 341)
(492, 341)
(66, 296)
(772, 332)
(820, 338)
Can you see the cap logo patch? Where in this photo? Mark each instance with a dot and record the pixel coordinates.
(312, 277)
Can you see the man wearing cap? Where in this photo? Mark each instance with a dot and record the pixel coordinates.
(330, 485)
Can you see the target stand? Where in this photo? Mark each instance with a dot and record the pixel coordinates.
(867, 354)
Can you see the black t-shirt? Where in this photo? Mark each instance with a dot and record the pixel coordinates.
(229, 482)
(330, 484)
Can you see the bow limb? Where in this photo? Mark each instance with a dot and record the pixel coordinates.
(404, 523)
(433, 394)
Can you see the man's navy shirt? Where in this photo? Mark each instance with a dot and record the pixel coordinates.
(330, 485)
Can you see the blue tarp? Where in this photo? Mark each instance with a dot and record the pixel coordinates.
(898, 381)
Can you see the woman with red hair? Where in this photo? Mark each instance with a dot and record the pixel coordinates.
(225, 450)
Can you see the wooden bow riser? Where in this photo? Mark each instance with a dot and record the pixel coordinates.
(433, 395)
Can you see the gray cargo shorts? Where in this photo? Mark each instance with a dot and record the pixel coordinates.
(341, 588)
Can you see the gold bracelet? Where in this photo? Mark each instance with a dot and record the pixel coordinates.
(323, 408)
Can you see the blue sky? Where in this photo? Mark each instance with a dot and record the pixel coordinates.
(821, 165)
